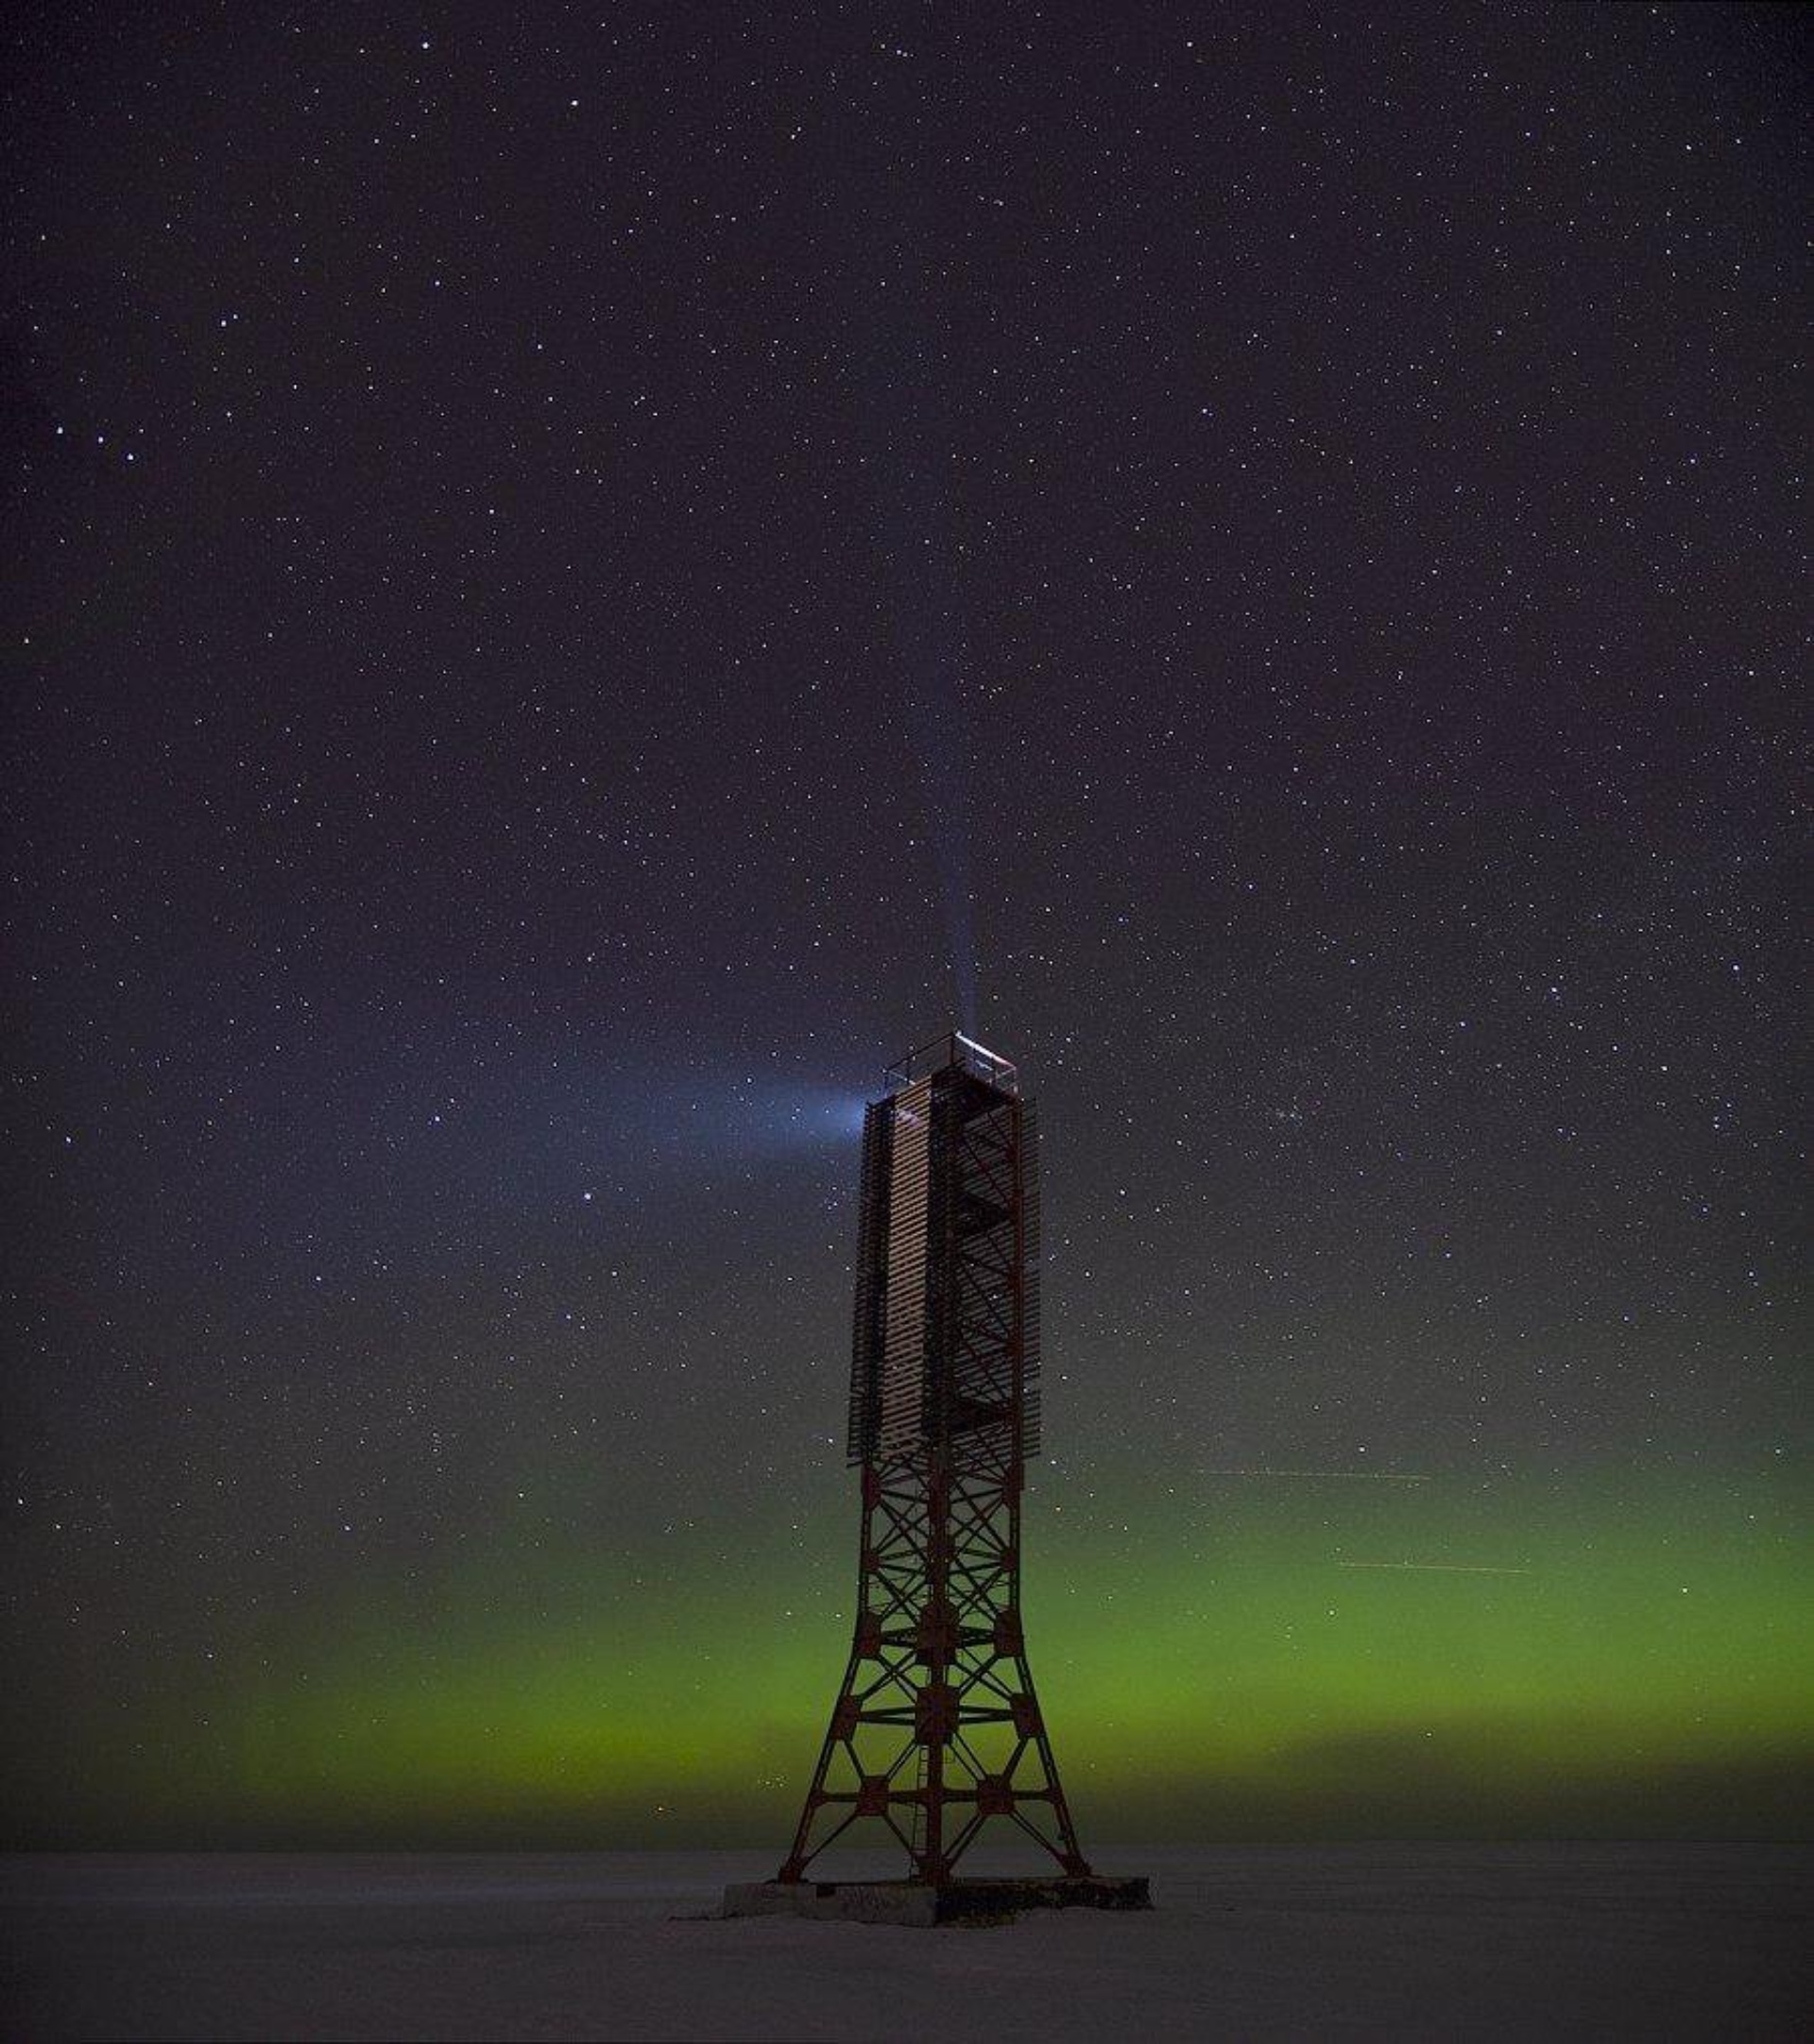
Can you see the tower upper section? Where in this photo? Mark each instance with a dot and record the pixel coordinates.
(945, 1359)
(953, 1052)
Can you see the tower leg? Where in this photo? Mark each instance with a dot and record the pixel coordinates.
(936, 1730)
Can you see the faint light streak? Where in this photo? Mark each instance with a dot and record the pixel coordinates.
(1317, 1476)
(1445, 1568)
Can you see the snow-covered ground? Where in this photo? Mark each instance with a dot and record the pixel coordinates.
(1456, 1942)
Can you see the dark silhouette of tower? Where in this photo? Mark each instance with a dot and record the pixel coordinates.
(937, 1729)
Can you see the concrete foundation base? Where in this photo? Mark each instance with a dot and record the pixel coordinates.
(916, 1904)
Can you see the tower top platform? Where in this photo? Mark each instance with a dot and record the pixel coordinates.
(954, 1051)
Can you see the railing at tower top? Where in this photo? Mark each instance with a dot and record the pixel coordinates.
(954, 1048)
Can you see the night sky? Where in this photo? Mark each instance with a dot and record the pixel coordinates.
(582, 580)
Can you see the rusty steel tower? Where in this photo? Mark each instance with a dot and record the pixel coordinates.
(936, 1729)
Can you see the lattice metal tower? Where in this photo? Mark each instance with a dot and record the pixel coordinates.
(936, 1729)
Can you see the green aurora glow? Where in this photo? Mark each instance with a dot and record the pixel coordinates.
(1619, 1653)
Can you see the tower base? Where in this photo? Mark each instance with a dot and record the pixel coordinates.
(919, 1905)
